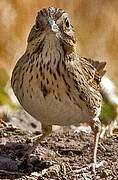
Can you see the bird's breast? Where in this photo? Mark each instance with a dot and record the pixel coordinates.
(44, 95)
(54, 110)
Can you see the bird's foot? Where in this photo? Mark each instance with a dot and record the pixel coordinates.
(28, 153)
(94, 166)
(91, 166)
(25, 160)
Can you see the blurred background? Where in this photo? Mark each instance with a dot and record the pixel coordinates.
(95, 22)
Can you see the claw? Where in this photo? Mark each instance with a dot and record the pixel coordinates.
(91, 166)
(95, 166)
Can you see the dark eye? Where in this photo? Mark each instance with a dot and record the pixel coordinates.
(67, 23)
(37, 26)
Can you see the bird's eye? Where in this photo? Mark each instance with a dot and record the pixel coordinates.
(67, 23)
(37, 26)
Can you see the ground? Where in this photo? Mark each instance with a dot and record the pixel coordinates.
(59, 157)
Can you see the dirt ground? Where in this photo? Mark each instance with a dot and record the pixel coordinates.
(61, 156)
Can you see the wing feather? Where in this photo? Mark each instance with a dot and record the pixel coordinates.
(85, 76)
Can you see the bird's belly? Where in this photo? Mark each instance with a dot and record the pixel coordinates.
(49, 110)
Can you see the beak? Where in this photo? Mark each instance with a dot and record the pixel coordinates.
(53, 26)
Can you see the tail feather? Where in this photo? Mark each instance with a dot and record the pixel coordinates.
(99, 68)
(94, 71)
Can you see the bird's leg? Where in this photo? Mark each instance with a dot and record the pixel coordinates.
(46, 130)
(96, 127)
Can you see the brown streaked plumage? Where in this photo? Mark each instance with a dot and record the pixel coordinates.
(66, 87)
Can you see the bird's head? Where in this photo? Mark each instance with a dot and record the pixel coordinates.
(56, 23)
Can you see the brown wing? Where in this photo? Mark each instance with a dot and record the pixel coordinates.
(84, 79)
(93, 70)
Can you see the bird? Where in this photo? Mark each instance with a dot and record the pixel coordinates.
(53, 83)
